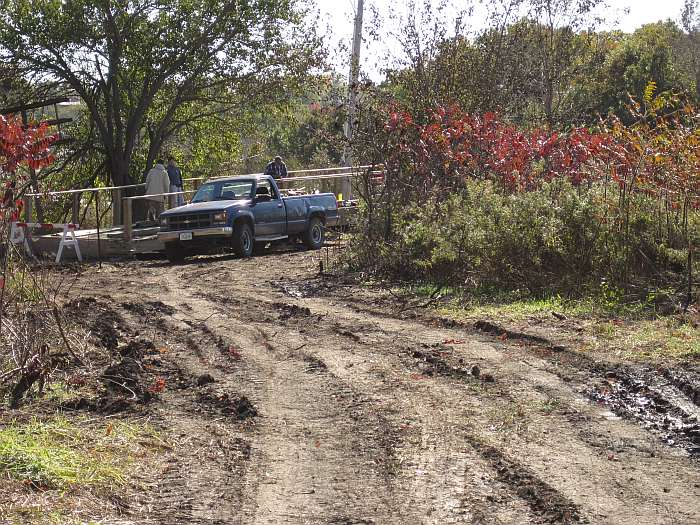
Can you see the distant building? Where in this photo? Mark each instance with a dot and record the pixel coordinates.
(73, 100)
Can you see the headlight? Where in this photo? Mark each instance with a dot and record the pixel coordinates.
(220, 217)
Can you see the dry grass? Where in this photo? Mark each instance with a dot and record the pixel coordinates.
(59, 470)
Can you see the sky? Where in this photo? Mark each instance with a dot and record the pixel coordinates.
(337, 16)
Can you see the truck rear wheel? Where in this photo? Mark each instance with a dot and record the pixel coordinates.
(242, 241)
(174, 252)
(315, 235)
(260, 247)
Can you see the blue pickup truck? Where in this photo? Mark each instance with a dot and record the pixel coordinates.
(244, 213)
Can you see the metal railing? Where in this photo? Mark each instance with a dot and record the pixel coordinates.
(122, 209)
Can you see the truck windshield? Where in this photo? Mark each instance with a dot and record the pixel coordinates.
(224, 191)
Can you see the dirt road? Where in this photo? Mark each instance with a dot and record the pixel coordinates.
(295, 398)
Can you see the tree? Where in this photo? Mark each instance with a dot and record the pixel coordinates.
(527, 60)
(641, 57)
(533, 53)
(145, 69)
(690, 44)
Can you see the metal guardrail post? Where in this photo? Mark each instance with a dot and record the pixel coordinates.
(127, 219)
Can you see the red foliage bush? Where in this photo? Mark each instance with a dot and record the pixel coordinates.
(21, 145)
(657, 156)
(24, 145)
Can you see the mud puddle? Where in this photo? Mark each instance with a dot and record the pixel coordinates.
(656, 402)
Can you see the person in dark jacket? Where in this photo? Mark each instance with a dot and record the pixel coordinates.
(276, 168)
(175, 176)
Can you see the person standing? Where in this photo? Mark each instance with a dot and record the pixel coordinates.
(276, 168)
(176, 185)
(157, 183)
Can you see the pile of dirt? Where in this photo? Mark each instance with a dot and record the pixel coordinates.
(123, 377)
(105, 325)
(137, 349)
(434, 360)
(103, 405)
(148, 308)
(289, 311)
(501, 332)
(226, 404)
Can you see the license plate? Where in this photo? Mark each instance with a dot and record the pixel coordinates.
(186, 236)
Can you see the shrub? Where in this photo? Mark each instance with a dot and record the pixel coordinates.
(561, 239)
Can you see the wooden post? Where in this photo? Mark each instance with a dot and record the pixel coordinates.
(99, 241)
(117, 208)
(28, 209)
(128, 213)
(75, 216)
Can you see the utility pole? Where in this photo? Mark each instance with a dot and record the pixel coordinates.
(352, 96)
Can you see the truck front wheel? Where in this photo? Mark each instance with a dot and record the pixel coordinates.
(315, 235)
(243, 240)
(174, 252)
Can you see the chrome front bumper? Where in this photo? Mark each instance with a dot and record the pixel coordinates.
(196, 234)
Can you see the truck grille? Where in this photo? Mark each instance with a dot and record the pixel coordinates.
(189, 222)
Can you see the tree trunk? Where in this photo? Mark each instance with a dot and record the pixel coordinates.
(153, 152)
(119, 170)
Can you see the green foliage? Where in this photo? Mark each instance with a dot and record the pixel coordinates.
(539, 68)
(638, 61)
(560, 240)
(145, 72)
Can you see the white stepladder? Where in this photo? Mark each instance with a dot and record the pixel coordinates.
(18, 235)
(68, 229)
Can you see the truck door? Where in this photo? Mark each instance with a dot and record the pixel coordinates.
(269, 211)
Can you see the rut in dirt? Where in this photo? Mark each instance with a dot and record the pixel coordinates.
(329, 413)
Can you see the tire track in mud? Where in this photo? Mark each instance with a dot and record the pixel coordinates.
(595, 460)
(664, 401)
(443, 456)
(313, 435)
(451, 460)
(423, 443)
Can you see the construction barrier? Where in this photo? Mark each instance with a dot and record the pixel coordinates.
(21, 232)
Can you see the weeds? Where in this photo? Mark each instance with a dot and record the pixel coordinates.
(34, 341)
(511, 418)
(57, 454)
(53, 471)
(60, 454)
(548, 406)
(652, 339)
